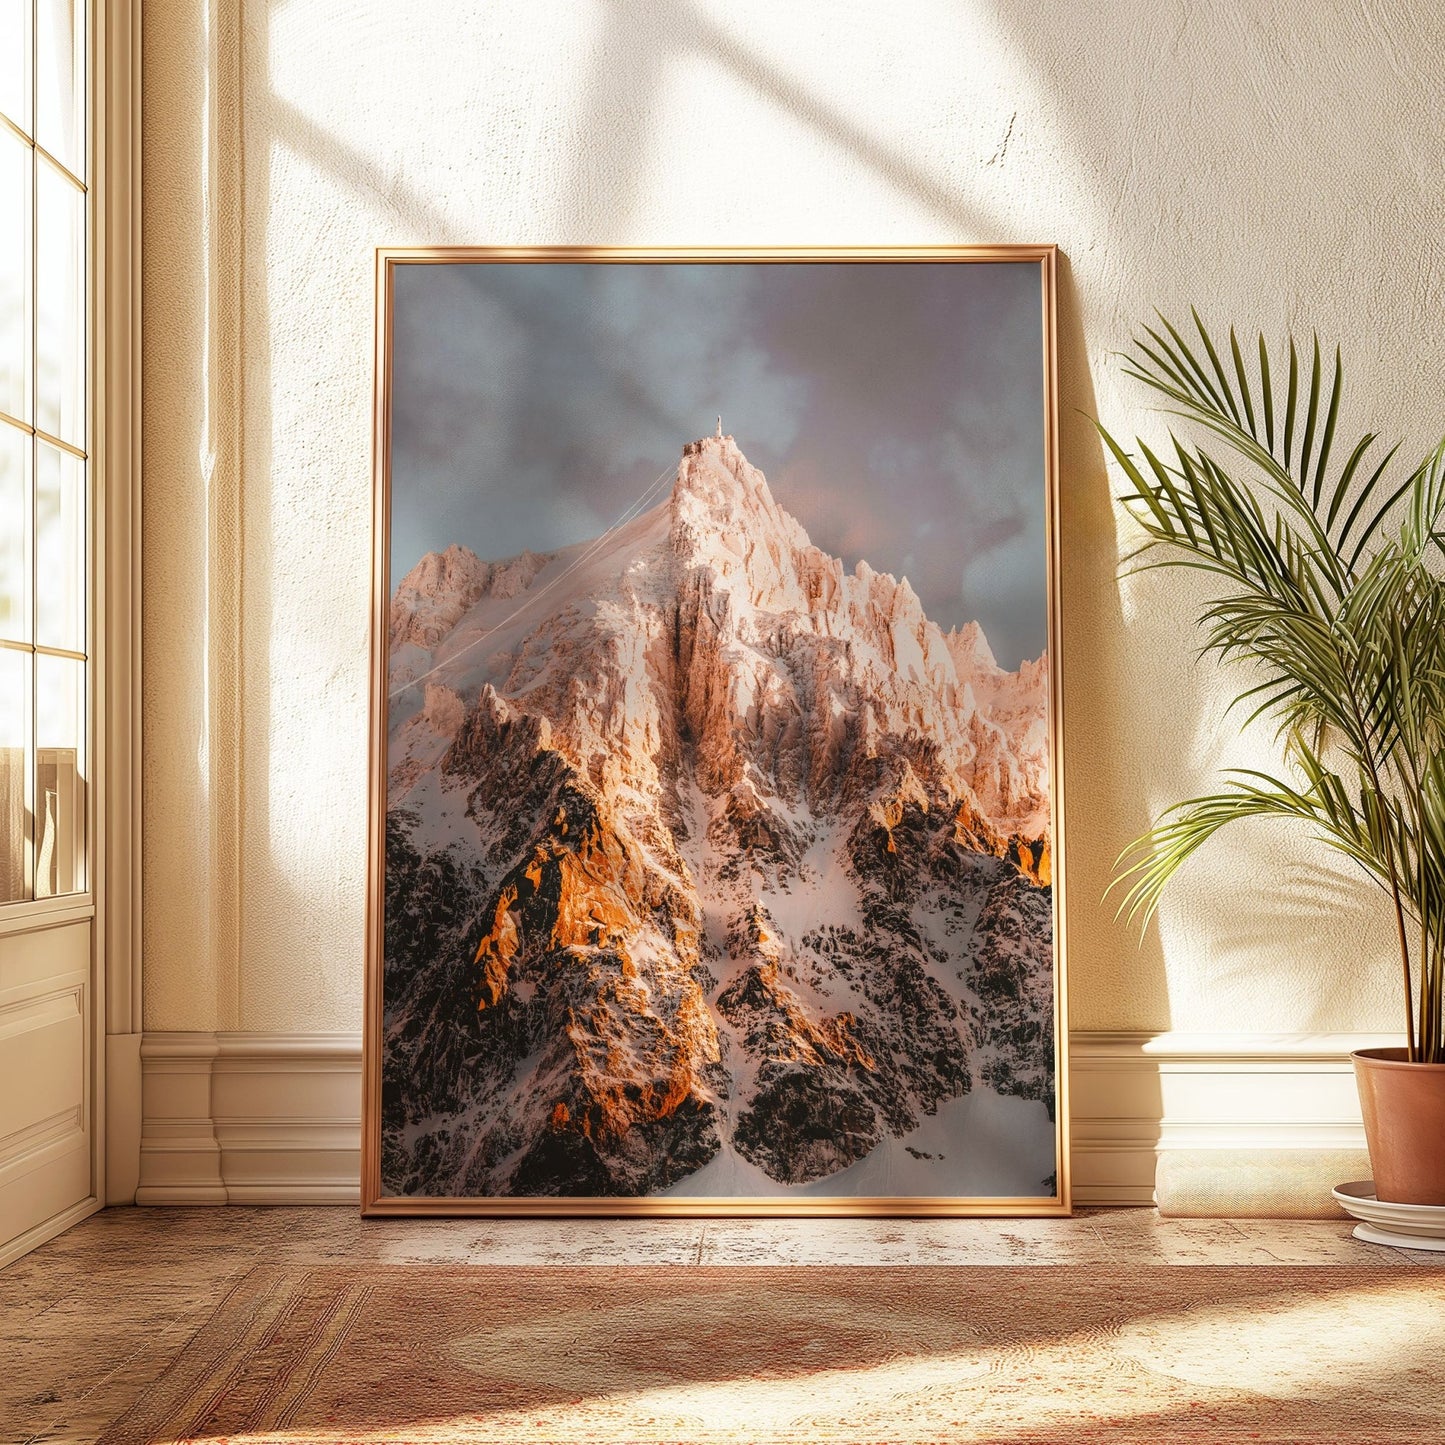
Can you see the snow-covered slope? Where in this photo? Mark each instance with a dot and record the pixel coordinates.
(701, 847)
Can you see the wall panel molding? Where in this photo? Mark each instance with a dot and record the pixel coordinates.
(1228, 1123)
(1215, 1123)
(250, 1118)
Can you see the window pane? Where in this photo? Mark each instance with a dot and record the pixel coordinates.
(59, 306)
(15, 55)
(59, 776)
(59, 549)
(60, 82)
(14, 813)
(14, 534)
(15, 172)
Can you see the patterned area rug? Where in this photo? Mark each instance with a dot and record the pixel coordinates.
(651, 1354)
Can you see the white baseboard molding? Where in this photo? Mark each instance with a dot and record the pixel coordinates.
(1228, 1123)
(250, 1118)
(47, 1230)
(1211, 1123)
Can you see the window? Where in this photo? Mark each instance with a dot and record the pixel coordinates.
(45, 220)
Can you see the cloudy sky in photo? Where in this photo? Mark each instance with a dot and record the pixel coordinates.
(896, 410)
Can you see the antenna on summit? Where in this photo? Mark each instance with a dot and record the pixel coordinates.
(718, 432)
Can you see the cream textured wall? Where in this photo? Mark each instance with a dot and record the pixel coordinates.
(1278, 163)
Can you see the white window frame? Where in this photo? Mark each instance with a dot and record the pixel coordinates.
(116, 587)
(112, 899)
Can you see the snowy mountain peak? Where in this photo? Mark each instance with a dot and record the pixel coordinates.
(726, 523)
(716, 482)
(783, 666)
(702, 848)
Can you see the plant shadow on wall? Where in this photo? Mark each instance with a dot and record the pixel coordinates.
(1326, 584)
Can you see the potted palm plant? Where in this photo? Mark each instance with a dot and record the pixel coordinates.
(1328, 567)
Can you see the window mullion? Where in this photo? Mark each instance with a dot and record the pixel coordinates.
(32, 832)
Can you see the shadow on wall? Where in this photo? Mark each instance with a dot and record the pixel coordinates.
(637, 45)
(618, 98)
(1264, 929)
(1105, 803)
(1142, 720)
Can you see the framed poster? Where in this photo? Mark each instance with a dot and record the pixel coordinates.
(715, 846)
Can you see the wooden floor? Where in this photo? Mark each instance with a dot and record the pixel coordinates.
(90, 1319)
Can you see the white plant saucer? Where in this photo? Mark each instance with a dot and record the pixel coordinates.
(1404, 1226)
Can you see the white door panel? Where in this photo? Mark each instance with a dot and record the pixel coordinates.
(45, 1075)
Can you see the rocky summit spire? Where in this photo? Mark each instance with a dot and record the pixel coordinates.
(718, 432)
(719, 493)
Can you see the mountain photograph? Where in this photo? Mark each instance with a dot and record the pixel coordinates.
(715, 866)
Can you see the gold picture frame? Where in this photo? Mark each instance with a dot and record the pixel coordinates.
(391, 263)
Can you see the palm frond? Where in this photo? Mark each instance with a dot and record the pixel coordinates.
(1329, 592)
(1241, 410)
(1144, 868)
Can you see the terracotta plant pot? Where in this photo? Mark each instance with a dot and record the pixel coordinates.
(1404, 1109)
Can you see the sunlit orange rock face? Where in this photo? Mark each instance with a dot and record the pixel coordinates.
(690, 836)
(576, 903)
